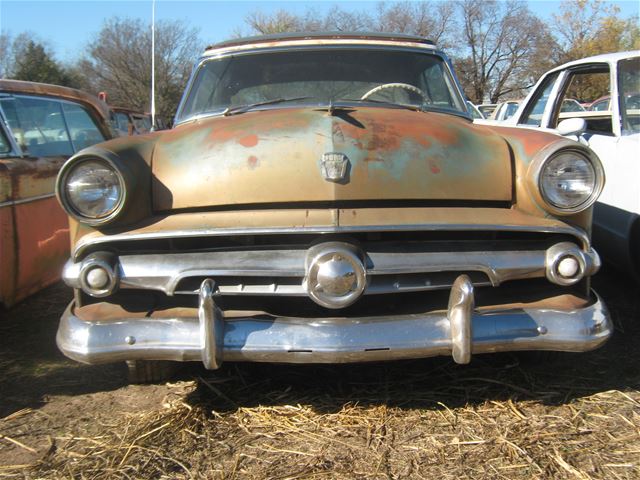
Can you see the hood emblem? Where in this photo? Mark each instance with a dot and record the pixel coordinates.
(335, 167)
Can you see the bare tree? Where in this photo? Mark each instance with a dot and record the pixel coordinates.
(499, 39)
(427, 19)
(5, 55)
(118, 61)
(433, 20)
(279, 22)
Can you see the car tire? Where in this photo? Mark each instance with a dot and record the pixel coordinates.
(634, 249)
(150, 371)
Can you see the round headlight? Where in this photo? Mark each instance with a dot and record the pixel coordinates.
(568, 181)
(93, 189)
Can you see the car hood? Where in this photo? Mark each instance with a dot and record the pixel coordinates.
(276, 156)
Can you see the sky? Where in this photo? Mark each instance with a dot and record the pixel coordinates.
(67, 26)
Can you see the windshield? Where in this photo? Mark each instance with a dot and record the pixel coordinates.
(313, 77)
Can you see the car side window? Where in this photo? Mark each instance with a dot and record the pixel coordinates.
(629, 91)
(600, 105)
(83, 130)
(536, 106)
(437, 84)
(122, 122)
(5, 146)
(37, 125)
(584, 87)
(510, 110)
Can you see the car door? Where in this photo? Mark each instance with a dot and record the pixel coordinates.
(43, 134)
(584, 83)
(612, 131)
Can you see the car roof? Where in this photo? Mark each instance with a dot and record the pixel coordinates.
(604, 58)
(66, 93)
(320, 38)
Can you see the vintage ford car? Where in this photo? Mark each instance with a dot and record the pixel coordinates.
(327, 198)
(41, 126)
(610, 129)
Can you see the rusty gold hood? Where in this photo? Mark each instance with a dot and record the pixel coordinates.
(275, 156)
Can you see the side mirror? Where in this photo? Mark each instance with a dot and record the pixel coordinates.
(572, 126)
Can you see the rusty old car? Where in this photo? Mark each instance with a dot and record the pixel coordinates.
(41, 127)
(327, 198)
(127, 121)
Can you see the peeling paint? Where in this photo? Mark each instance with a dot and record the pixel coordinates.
(249, 141)
(252, 161)
(394, 154)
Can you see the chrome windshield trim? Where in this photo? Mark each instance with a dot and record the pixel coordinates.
(85, 243)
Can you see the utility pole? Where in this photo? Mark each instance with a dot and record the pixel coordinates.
(153, 65)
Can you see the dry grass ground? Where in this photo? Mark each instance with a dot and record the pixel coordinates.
(503, 416)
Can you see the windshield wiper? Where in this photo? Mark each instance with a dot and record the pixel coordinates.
(415, 108)
(245, 108)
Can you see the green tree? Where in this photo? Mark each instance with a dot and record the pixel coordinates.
(590, 27)
(34, 64)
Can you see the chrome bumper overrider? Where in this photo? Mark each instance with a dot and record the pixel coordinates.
(459, 331)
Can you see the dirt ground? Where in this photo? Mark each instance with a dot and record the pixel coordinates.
(503, 416)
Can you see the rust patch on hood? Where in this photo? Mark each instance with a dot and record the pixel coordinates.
(249, 141)
(394, 154)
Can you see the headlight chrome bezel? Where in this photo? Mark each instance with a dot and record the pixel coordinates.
(542, 160)
(70, 208)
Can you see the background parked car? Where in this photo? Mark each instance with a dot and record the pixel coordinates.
(476, 114)
(611, 129)
(503, 111)
(41, 126)
(487, 109)
(127, 121)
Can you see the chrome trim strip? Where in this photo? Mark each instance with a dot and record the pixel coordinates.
(164, 272)
(337, 340)
(85, 242)
(27, 200)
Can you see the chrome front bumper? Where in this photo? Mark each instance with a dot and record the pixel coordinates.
(459, 331)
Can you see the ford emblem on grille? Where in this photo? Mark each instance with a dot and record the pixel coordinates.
(335, 167)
